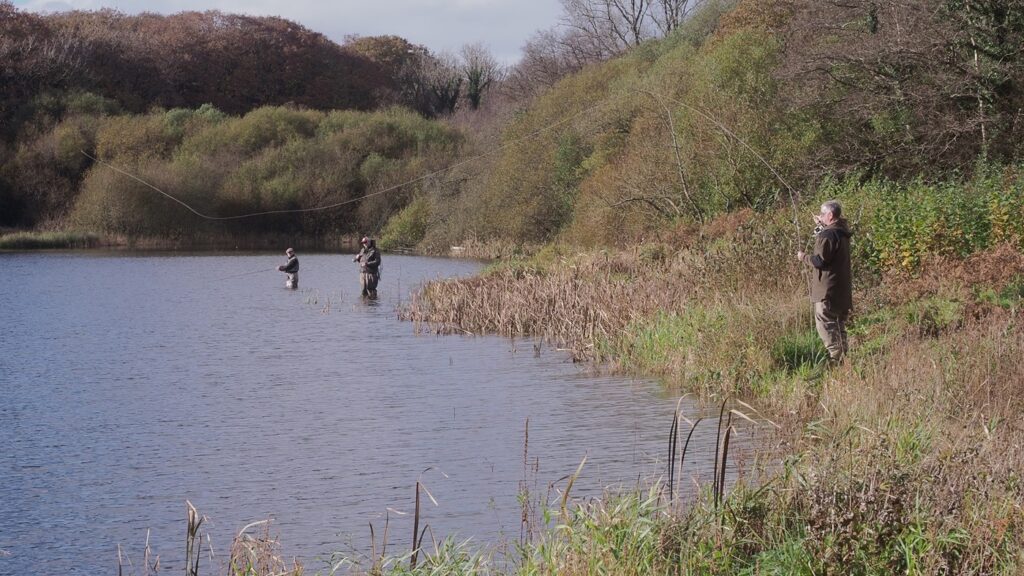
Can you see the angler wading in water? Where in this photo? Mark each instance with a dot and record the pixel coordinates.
(369, 267)
(291, 270)
(831, 279)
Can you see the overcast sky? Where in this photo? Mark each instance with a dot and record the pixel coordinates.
(440, 25)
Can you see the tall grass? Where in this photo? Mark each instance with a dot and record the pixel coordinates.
(44, 240)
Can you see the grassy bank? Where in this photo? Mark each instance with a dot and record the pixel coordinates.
(905, 459)
(48, 240)
(37, 240)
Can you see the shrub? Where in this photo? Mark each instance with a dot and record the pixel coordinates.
(47, 170)
(130, 139)
(43, 240)
(407, 228)
(115, 204)
(933, 316)
(251, 134)
(898, 225)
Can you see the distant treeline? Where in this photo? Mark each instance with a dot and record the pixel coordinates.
(234, 62)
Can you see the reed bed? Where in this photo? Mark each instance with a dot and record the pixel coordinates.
(651, 309)
(47, 240)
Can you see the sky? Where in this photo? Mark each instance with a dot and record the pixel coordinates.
(503, 26)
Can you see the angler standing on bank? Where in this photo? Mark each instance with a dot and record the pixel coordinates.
(291, 270)
(831, 279)
(369, 267)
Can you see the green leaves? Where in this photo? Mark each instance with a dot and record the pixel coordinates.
(898, 225)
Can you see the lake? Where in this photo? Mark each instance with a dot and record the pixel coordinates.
(132, 382)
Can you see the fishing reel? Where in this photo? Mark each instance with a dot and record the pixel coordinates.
(818, 228)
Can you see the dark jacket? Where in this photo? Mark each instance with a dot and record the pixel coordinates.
(831, 280)
(292, 267)
(369, 258)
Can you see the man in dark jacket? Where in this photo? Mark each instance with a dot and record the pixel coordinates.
(831, 280)
(369, 267)
(291, 270)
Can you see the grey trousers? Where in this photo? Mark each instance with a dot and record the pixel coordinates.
(831, 327)
(292, 281)
(368, 281)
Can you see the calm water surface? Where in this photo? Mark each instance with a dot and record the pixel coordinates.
(130, 383)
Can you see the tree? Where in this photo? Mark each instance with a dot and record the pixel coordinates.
(668, 15)
(405, 64)
(613, 25)
(480, 70)
(904, 87)
(990, 33)
(444, 83)
(32, 56)
(549, 56)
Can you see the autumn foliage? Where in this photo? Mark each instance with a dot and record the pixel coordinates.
(234, 62)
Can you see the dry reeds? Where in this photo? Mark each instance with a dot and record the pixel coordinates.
(256, 553)
(193, 540)
(625, 311)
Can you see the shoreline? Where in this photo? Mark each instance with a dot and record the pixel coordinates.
(925, 406)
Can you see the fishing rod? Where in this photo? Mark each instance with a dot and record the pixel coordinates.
(247, 273)
(730, 133)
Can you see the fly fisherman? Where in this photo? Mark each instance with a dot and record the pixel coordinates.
(369, 267)
(831, 280)
(291, 270)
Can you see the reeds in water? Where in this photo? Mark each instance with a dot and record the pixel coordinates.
(47, 240)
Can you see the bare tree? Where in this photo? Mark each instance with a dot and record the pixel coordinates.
(480, 70)
(548, 56)
(594, 31)
(668, 15)
(444, 82)
(613, 25)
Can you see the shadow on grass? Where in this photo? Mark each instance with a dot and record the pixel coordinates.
(800, 352)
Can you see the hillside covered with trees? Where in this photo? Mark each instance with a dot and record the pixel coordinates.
(131, 90)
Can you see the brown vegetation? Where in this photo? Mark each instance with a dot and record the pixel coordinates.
(995, 269)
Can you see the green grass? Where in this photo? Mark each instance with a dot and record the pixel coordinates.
(933, 316)
(799, 352)
(1009, 297)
